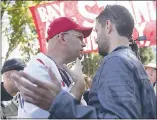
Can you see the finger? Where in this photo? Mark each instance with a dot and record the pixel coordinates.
(37, 103)
(24, 83)
(38, 99)
(15, 77)
(40, 93)
(78, 65)
(32, 79)
(17, 85)
(29, 94)
(89, 83)
(53, 77)
(30, 100)
(44, 104)
(18, 80)
(34, 98)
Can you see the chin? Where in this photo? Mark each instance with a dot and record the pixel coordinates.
(102, 53)
(80, 57)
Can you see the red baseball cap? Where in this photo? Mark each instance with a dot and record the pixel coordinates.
(63, 24)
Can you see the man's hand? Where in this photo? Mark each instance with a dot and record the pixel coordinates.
(88, 81)
(40, 93)
(77, 75)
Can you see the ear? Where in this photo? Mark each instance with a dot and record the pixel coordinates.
(61, 37)
(108, 26)
(7, 75)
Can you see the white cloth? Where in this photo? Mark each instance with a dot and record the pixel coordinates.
(38, 68)
(155, 88)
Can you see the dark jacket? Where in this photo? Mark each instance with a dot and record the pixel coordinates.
(120, 89)
(10, 109)
(5, 96)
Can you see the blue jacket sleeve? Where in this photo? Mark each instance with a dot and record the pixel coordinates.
(116, 96)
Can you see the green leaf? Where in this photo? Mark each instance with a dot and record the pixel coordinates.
(146, 54)
(19, 16)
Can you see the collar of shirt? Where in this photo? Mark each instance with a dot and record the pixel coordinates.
(121, 47)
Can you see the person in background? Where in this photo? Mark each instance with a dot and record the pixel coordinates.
(8, 87)
(151, 71)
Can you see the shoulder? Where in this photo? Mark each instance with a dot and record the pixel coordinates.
(38, 67)
(125, 57)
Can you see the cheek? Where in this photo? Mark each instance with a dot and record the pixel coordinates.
(147, 71)
(69, 44)
(154, 74)
(73, 46)
(77, 44)
(100, 38)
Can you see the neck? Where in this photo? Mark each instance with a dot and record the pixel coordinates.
(121, 41)
(57, 58)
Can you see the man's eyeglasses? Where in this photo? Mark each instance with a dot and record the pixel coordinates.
(109, 8)
(78, 36)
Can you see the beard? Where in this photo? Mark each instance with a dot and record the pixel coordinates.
(103, 48)
(103, 44)
(102, 52)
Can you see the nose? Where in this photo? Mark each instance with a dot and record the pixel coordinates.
(83, 44)
(96, 41)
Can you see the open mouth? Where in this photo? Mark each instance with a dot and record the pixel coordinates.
(81, 51)
(81, 54)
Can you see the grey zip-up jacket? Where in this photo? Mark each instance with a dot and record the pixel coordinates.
(120, 89)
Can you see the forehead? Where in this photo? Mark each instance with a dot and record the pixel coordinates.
(97, 24)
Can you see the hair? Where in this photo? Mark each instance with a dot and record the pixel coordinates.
(120, 16)
(134, 47)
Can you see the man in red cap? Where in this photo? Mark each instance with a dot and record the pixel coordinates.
(65, 44)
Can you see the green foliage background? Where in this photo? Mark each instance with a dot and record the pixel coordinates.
(146, 54)
(20, 19)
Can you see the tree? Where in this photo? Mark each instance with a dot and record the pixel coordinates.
(146, 55)
(91, 63)
(21, 30)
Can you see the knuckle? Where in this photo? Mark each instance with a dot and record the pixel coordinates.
(24, 94)
(37, 103)
(58, 84)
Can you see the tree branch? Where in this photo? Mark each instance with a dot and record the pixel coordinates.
(3, 9)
